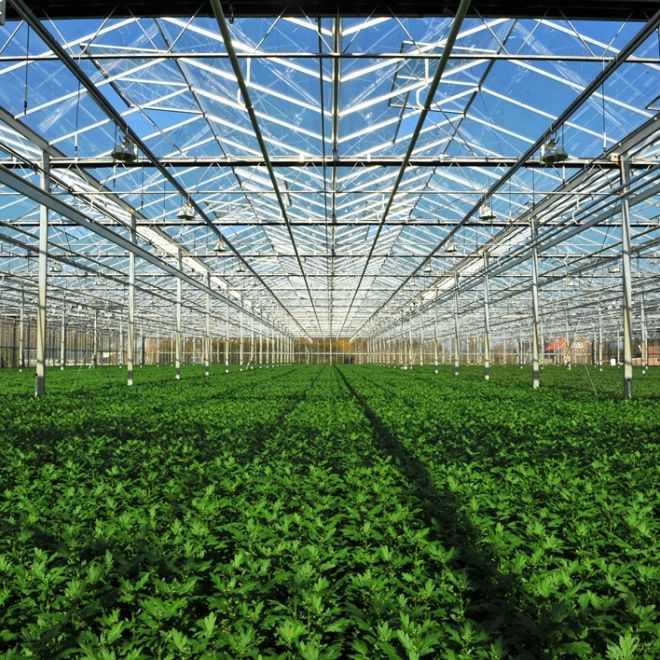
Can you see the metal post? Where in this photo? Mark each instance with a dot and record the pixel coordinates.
(207, 347)
(95, 340)
(131, 306)
(177, 337)
(486, 320)
(536, 380)
(600, 338)
(40, 378)
(252, 344)
(261, 344)
(227, 341)
(645, 339)
(421, 342)
(627, 279)
(240, 339)
(435, 336)
(63, 339)
(142, 345)
(568, 343)
(121, 343)
(457, 359)
(21, 333)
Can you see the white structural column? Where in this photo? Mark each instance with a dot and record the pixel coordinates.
(63, 338)
(261, 343)
(207, 339)
(600, 337)
(536, 380)
(177, 337)
(240, 339)
(421, 342)
(21, 333)
(435, 336)
(227, 339)
(130, 356)
(645, 338)
(627, 280)
(457, 357)
(486, 320)
(251, 361)
(40, 377)
(95, 340)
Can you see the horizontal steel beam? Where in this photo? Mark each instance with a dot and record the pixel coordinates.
(145, 55)
(346, 161)
(586, 9)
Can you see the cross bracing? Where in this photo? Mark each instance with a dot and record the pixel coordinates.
(344, 171)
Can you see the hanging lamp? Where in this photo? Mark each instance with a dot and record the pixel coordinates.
(125, 150)
(187, 212)
(552, 152)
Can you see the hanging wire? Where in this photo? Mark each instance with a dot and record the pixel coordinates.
(27, 67)
(602, 99)
(75, 139)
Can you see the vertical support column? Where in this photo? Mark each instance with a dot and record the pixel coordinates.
(435, 336)
(486, 319)
(122, 350)
(227, 340)
(177, 337)
(21, 334)
(95, 340)
(261, 343)
(569, 344)
(600, 338)
(207, 343)
(536, 380)
(40, 377)
(130, 356)
(645, 339)
(401, 344)
(63, 338)
(627, 280)
(240, 338)
(252, 356)
(457, 357)
(142, 346)
(421, 341)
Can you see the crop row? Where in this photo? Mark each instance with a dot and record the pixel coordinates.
(324, 513)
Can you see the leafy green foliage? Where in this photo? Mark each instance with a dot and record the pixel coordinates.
(326, 513)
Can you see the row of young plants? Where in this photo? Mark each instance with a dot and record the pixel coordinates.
(323, 513)
(244, 517)
(549, 498)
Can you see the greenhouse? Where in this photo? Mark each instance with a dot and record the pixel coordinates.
(329, 329)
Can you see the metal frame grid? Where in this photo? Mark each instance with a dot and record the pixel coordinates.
(341, 171)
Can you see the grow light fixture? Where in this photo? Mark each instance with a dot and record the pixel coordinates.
(220, 246)
(486, 211)
(125, 150)
(614, 268)
(428, 270)
(552, 153)
(187, 212)
(240, 269)
(450, 247)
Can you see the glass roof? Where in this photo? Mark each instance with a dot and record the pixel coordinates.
(333, 194)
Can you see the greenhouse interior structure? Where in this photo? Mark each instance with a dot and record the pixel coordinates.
(329, 329)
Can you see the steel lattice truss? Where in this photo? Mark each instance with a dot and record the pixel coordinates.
(333, 195)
